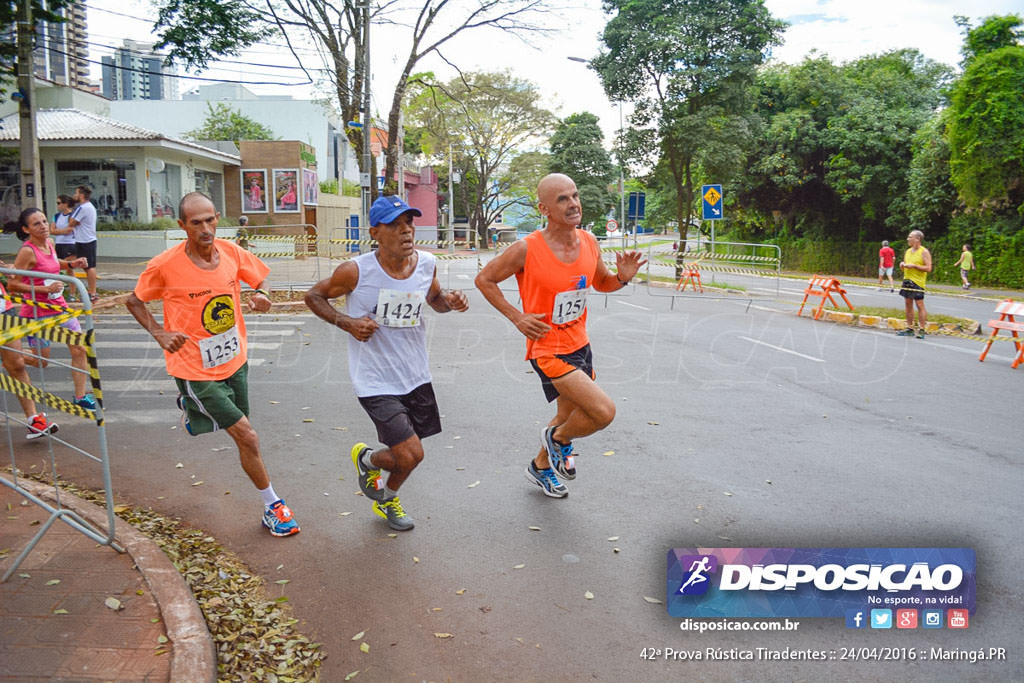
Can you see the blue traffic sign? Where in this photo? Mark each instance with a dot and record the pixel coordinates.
(711, 198)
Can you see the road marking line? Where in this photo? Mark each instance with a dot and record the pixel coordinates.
(626, 303)
(779, 348)
(266, 346)
(151, 362)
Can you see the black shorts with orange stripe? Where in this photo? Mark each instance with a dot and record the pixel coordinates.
(560, 365)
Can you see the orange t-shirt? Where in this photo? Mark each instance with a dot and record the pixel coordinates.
(202, 304)
(558, 291)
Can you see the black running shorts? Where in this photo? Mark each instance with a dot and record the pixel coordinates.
(399, 417)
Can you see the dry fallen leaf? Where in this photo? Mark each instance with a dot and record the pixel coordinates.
(392, 535)
(613, 538)
(113, 603)
(53, 582)
(364, 647)
(616, 550)
(653, 601)
(519, 566)
(588, 595)
(179, 466)
(60, 611)
(415, 559)
(308, 419)
(352, 675)
(359, 636)
(274, 403)
(198, 483)
(534, 528)
(443, 635)
(652, 422)
(726, 493)
(474, 484)
(161, 639)
(608, 453)
(460, 591)
(281, 582)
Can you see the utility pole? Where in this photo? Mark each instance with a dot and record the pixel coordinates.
(30, 181)
(366, 175)
(451, 203)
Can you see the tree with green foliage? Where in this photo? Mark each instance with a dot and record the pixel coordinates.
(225, 123)
(688, 66)
(992, 34)
(578, 152)
(199, 30)
(832, 159)
(488, 120)
(986, 118)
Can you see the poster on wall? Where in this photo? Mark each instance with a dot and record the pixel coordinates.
(254, 191)
(310, 187)
(286, 190)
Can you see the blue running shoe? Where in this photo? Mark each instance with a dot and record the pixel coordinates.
(547, 481)
(278, 520)
(559, 454)
(180, 401)
(88, 401)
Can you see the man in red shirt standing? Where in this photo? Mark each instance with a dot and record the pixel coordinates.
(886, 256)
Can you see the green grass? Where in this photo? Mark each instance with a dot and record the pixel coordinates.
(900, 313)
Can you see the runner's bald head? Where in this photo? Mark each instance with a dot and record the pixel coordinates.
(551, 184)
(193, 201)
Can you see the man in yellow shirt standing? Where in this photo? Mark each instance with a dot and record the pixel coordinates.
(916, 264)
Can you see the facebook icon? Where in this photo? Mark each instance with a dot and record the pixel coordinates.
(855, 618)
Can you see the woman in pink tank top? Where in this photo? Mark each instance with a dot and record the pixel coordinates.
(38, 254)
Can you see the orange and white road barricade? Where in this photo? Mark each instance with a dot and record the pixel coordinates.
(1007, 310)
(823, 286)
(690, 275)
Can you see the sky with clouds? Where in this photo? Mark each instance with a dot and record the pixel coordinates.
(842, 29)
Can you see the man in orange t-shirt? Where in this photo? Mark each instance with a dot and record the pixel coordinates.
(204, 340)
(554, 268)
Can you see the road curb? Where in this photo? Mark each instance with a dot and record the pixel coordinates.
(193, 655)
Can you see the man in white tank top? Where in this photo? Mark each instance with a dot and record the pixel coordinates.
(385, 292)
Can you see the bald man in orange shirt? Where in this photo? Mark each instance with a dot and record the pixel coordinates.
(554, 268)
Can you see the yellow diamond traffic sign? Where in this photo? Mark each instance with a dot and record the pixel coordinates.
(712, 196)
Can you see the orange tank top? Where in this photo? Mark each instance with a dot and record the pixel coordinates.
(558, 291)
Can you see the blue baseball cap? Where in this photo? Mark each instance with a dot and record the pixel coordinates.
(387, 209)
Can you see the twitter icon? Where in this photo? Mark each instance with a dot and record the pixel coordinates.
(881, 618)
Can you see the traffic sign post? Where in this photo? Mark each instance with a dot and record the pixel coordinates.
(612, 226)
(711, 198)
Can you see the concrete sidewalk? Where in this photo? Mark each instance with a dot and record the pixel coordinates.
(54, 623)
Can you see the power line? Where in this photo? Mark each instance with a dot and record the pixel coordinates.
(167, 75)
(116, 48)
(151, 22)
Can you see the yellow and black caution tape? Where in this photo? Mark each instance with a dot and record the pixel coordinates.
(14, 386)
(49, 328)
(15, 299)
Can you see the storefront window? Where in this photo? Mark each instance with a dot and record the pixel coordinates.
(212, 185)
(165, 190)
(113, 184)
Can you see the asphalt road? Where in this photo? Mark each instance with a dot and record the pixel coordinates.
(738, 425)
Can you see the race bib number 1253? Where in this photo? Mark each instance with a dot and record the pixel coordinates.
(220, 348)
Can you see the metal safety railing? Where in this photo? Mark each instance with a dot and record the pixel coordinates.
(741, 258)
(43, 328)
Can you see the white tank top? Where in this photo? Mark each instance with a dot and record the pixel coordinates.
(393, 361)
